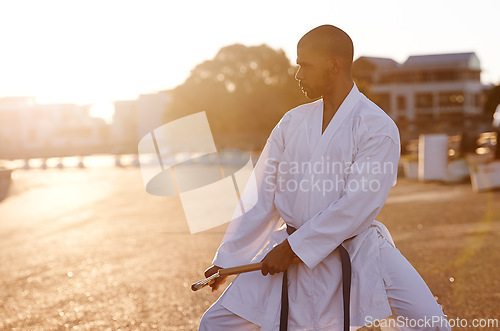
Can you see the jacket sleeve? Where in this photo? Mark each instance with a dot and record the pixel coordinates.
(370, 177)
(248, 234)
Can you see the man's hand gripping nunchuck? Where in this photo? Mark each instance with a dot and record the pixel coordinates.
(277, 260)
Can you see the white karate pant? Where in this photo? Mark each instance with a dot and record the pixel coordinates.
(411, 301)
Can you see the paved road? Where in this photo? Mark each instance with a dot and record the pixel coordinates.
(89, 248)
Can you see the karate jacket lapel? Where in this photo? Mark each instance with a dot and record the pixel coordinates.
(344, 111)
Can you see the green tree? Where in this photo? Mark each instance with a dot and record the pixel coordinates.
(244, 90)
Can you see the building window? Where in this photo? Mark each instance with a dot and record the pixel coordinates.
(423, 100)
(451, 99)
(401, 102)
(447, 75)
(471, 75)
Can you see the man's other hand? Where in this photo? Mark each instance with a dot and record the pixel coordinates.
(278, 259)
(218, 281)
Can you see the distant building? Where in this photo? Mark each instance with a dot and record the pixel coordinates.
(424, 87)
(60, 126)
(124, 137)
(133, 119)
(151, 109)
(11, 123)
(29, 129)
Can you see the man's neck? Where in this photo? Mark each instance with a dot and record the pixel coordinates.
(333, 99)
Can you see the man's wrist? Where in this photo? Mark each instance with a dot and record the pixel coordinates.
(289, 249)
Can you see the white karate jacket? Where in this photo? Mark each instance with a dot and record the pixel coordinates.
(330, 187)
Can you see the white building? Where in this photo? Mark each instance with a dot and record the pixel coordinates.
(60, 126)
(124, 135)
(10, 123)
(151, 109)
(29, 129)
(430, 87)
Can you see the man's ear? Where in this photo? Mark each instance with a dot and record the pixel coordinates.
(335, 65)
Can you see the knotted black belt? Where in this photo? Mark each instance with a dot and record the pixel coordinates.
(346, 287)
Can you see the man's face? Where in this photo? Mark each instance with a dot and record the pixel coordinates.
(312, 74)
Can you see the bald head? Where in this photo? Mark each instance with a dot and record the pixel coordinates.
(329, 41)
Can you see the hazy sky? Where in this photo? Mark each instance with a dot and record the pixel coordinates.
(98, 51)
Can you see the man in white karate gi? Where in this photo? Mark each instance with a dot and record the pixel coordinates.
(326, 170)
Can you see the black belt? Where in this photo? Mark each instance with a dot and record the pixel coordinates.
(346, 287)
